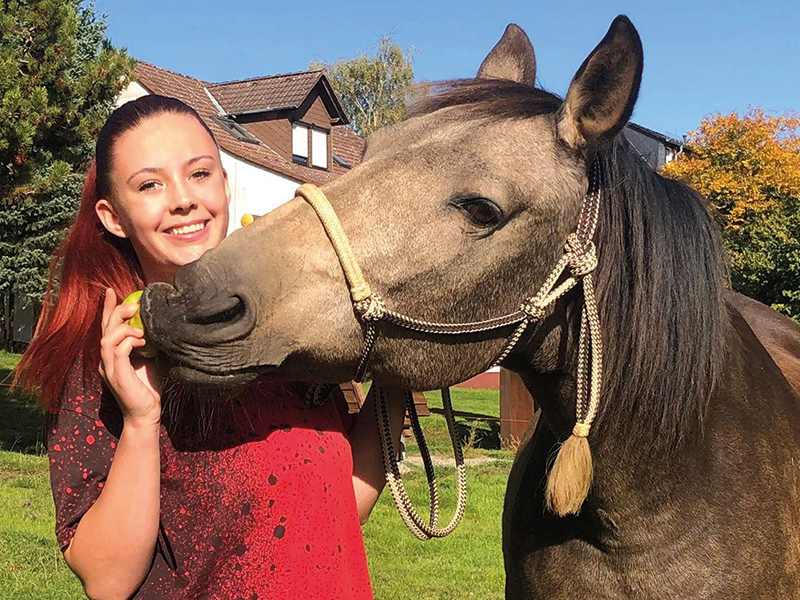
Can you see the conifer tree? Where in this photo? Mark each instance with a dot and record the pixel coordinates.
(59, 77)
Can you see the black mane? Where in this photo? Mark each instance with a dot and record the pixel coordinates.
(660, 279)
(660, 285)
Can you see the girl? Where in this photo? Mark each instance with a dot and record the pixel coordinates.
(257, 497)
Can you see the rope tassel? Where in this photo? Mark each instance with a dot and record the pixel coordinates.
(570, 478)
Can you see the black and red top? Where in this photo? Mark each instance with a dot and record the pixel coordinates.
(257, 498)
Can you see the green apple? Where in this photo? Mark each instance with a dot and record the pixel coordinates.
(148, 350)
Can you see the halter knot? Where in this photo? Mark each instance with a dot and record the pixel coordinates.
(533, 309)
(582, 255)
(371, 308)
(581, 430)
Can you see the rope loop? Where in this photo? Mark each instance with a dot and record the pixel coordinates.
(582, 255)
(371, 308)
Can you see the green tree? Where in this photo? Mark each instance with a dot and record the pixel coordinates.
(748, 167)
(59, 76)
(373, 89)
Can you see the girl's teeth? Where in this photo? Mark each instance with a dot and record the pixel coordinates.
(188, 229)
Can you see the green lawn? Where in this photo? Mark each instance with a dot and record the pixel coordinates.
(20, 418)
(468, 564)
(31, 567)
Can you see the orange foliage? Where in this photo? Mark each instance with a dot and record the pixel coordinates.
(742, 165)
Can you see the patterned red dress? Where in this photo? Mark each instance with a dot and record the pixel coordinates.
(257, 502)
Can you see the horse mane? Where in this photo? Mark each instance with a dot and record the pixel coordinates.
(660, 285)
(660, 280)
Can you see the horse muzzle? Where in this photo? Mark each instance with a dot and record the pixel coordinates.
(201, 324)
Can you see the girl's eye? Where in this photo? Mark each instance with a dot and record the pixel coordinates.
(201, 174)
(148, 186)
(480, 212)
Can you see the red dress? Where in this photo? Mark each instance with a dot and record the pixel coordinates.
(257, 498)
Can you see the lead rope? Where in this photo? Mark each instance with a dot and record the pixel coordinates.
(570, 478)
(416, 525)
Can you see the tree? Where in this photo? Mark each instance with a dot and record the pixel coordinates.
(59, 77)
(749, 170)
(373, 89)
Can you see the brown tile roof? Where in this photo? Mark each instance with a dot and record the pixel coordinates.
(194, 93)
(348, 146)
(275, 92)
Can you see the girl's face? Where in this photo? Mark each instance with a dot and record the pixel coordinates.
(170, 193)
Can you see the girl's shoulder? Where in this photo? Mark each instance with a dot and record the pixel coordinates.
(83, 391)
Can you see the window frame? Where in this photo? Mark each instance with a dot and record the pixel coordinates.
(308, 161)
(299, 158)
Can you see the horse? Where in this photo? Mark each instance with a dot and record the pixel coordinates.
(458, 214)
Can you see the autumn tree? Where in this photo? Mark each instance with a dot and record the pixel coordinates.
(59, 77)
(748, 167)
(373, 89)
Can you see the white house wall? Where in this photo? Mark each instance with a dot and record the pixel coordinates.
(132, 92)
(254, 190)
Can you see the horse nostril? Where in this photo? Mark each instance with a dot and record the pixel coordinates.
(224, 310)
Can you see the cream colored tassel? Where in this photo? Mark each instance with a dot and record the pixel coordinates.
(571, 476)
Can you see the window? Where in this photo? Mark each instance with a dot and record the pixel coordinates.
(300, 143)
(309, 146)
(236, 130)
(319, 149)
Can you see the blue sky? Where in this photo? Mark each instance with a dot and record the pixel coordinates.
(701, 56)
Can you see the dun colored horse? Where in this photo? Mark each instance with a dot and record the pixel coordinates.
(458, 214)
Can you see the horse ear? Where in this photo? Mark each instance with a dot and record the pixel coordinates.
(511, 58)
(603, 92)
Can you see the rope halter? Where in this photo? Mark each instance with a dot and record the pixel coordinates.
(576, 265)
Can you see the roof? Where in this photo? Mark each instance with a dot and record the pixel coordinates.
(348, 146)
(206, 99)
(665, 139)
(276, 92)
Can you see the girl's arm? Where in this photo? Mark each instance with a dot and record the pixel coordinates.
(113, 546)
(114, 543)
(368, 471)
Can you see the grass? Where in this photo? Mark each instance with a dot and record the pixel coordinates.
(468, 564)
(20, 418)
(31, 567)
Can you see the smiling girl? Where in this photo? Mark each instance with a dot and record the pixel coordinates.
(261, 497)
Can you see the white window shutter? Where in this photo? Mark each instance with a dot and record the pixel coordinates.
(299, 140)
(319, 149)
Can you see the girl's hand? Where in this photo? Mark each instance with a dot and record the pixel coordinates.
(136, 383)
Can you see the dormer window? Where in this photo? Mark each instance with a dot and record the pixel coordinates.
(319, 149)
(300, 143)
(309, 146)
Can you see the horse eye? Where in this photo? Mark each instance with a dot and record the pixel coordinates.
(481, 212)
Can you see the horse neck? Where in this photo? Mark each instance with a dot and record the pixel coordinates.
(749, 421)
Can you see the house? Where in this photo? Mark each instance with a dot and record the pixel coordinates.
(275, 132)
(656, 149)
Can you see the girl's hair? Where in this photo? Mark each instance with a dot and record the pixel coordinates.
(89, 260)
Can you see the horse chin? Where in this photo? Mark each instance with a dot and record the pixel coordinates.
(194, 378)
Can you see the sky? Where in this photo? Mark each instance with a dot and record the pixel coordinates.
(701, 56)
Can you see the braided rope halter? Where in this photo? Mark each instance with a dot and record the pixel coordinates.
(578, 261)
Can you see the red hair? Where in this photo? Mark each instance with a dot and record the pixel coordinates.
(88, 261)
